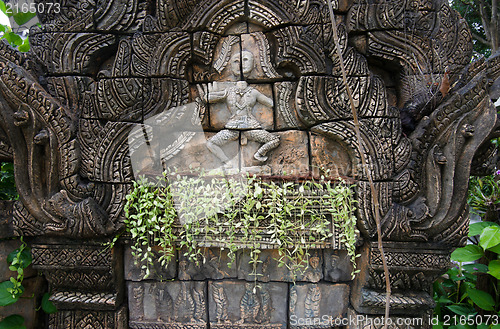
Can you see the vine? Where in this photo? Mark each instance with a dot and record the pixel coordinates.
(193, 211)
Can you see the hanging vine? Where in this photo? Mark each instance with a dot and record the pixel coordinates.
(194, 211)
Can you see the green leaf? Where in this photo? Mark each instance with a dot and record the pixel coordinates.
(473, 268)
(459, 309)
(3, 8)
(13, 322)
(481, 299)
(468, 253)
(25, 47)
(23, 18)
(477, 228)
(494, 268)
(490, 237)
(5, 296)
(24, 258)
(495, 249)
(47, 306)
(13, 38)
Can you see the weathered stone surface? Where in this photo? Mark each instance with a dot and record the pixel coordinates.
(134, 270)
(311, 303)
(235, 304)
(195, 154)
(175, 303)
(6, 230)
(274, 267)
(291, 157)
(376, 322)
(220, 114)
(88, 319)
(214, 266)
(285, 106)
(338, 267)
(330, 155)
(101, 97)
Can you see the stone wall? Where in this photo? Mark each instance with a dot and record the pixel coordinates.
(114, 89)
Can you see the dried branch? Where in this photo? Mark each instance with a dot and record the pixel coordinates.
(364, 164)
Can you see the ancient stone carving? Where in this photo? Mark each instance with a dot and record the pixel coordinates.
(220, 299)
(240, 101)
(105, 77)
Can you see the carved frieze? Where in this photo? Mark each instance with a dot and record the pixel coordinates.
(114, 89)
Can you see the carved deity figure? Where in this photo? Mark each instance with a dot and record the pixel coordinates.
(313, 271)
(240, 100)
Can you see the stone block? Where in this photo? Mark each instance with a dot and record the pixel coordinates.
(236, 304)
(365, 321)
(177, 304)
(270, 268)
(134, 270)
(338, 266)
(291, 157)
(196, 155)
(310, 304)
(285, 106)
(330, 154)
(105, 151)
(271, 15)
(119, 99)
(213, 264)
(257, 44)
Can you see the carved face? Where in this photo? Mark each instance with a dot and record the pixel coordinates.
(314, 262)
(246, 60)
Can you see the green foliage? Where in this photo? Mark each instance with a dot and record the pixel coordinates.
(18, 260)
(47, 306)
(13, 322)
(484, 194)
(193, 211)
(458, 294)
(468, 294)
(10, 36)
(7, 184)
(476, 17)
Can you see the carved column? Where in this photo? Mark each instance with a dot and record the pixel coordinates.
(85, 283)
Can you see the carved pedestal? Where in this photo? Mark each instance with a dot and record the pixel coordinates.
(86, 284)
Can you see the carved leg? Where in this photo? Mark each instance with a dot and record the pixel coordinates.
(222, 137)
(270, 141)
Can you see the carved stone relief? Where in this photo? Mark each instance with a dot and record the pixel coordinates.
(115, 89)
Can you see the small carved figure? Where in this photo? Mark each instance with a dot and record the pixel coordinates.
(249, 305)
(313, 271)
(311, 304)
(137, 311)
(164, 304)
(240, 101)
(184, 307)
(220, 299)
(267, 304)
(199, 301)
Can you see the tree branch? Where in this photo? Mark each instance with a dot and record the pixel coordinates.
(485, 20)
(481, 39)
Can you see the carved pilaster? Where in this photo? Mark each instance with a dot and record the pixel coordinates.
(86, 284)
